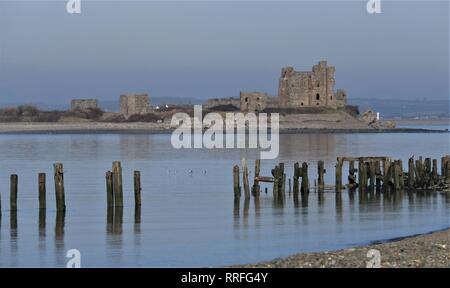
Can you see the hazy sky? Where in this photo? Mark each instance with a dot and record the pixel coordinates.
(216, 49)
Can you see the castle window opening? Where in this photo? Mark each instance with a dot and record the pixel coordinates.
(301, 104)
(246, 99)
(331, 97)
(317, 96)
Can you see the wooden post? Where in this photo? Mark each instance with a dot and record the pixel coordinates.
(296, 175)
(386, 174)
(305, 180)
(362, 175)
(236, 184)
(320, 179)
(411, 173)
(427, 172)
(372, 174)
(59, 186)
(447, 171)
(117, 184)
(282, 185)
(419, 174)
(245, 178)
(276, 181)
(13, 192)
(339, 174)
(256, 189)
(42, 190)
(109, 189)
(434, 172)
(397, 175)
(137, 188)
(377, 175)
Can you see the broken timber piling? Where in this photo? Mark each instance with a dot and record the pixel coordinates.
(109, 189)
(236, 185)
(256, 188)
(305, 180)
(117, 184)
(137, 188)
(13, 191)
(42, 190)
(320, 180)
(245, 178)
(59, 187)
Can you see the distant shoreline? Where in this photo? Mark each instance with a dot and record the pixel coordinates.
(164, 128)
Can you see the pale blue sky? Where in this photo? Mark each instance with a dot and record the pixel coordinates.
(215, 49)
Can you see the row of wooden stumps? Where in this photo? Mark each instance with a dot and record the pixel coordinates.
(383, 172)
(278, 179)
(42, 189)
(114, 186)
(373, 173)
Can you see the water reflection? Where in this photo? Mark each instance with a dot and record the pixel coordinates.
(59, 237)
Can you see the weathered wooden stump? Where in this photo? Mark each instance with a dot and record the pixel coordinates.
(59, 187)
(42, 190)
(137, 188)
(117, 184)
(13, 191)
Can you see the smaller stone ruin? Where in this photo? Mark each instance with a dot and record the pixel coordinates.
(134, 104)
(83, 105)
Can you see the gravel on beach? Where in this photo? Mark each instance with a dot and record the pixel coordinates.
(422, 251)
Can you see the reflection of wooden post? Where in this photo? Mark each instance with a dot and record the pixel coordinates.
(117, 184)
(411, 172)
(13, 191)
(42, 190)
(109, 189)
(245, 178)
(320, 180)
(137, 188)
(236, 187)
(59, 186)
(339, 174)
(256, 188)
(305, 180)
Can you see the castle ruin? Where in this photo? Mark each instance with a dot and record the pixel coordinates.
(298, 89)
(83, 104)
(134, 104)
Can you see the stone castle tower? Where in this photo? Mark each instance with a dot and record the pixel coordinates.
(309, 89)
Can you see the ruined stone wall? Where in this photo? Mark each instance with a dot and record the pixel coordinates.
(253, 101)
(83, 104)
(341, 98)
(134, 104)
(308, 89)
(211, 103)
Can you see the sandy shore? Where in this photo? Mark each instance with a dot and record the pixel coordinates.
(429, 250)
(160, 128)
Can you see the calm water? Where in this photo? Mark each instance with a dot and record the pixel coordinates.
(189, 219)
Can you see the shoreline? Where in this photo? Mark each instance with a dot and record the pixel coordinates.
(162, 128)
(431, 249)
